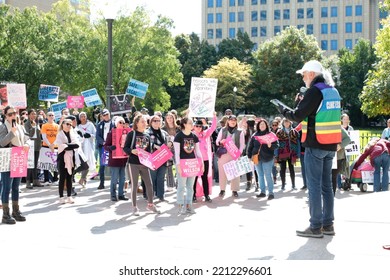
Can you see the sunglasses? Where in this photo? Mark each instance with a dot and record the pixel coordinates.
(50, 115)
(274, 125)
(121, 122)
(11, 114)
(156, 121)
(198, 125)
(68, 124)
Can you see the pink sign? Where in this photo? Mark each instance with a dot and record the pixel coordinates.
(268, 138)
(232, 148)
(118, 139)
(156, 159)
(75, 102)
(18, 162)
(191, 167)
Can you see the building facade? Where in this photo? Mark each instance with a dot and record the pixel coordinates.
(334, 23)
(42, 5)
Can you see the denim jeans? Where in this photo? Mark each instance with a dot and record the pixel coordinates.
(264, 169)
(319, 183)
(158, 178)
(101, 167)
(9, 185)
(185, 184)
(303, 171)
(117, 175)
(381, 161)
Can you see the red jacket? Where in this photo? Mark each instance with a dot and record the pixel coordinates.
(382, 146)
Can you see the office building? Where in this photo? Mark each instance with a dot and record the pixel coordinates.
(42, 5)
(334, 23)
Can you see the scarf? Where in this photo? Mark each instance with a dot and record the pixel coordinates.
(19, 138)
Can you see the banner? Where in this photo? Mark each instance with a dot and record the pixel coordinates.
(47, 159)
(17, 95)
(353, 148)
(191, 167)
(202, 97)
(156, 159)
(57, 108)
(120, 104)
(269, 137)
(118, 139)
(232, 148)
(18, 162)
(236, 168)
(137, 88)
(75, 102)
(48, 93)
(91, 97)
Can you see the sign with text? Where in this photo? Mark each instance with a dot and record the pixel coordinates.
(57, 108)
(236, 168)
(18, 162)
(48, 93)
(47, 159)
(202, 97)
(91, 97)
(191, 167)
(120, 104)
(5, 159)
(353, 148)
(156, 159)
(17, 95)
(75, 102)
(3, 96)
(118, 139)
(137, 88)
(232, 148)
(31, 157)
(267, 138)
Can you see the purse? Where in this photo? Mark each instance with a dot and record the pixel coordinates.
(221, 151)
(255, 159)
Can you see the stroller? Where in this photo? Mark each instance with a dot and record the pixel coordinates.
(363, 176)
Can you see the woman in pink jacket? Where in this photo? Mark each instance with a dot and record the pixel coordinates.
(205, 147)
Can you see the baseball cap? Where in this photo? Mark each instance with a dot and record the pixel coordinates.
(105, 112)
(311, 66)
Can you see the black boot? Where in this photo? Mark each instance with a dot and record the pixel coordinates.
(7, 219)
(248, 185)
(292, 176)
(16, 212)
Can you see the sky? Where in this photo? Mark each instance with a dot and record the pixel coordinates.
(186, 14)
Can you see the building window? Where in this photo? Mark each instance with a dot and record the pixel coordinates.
(232, 33)
(333, 11)
(255, 47)
(324, 45)
(263, 31)
(277, 15)
(285, 26)
(240, 29)
(348, 11)
(333, 28)
(254, 32)
(218, 33)
(240, 3)
(309, 13)
(286, 1)
(210, 33)
(348, 44)
(254, 2)
(210, 18)
(358, 10)
(263, 2)
(358, 27)
(276, 1)
(348, 27)
(232, 17)
(333, 45)
(210, 3)
(324, 28)
(254, 16)
(309, 29)
(232, 3)
(309, 0)
(218, 17)
(286, 14)
(300, 13)
(263, 15)
(276, 30)
(240, 16)
(300, 26)
(218, 4)
(324, 12)
(300, 1)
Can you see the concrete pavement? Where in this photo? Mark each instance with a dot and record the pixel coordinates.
(95, 237)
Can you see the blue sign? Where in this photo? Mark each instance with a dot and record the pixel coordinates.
(48, 93)
(137, 88)
(57, 108)
(91, 97)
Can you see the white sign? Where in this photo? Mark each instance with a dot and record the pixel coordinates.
(354, 147)
(202, 97)
(17, 95)
(47, 159)
(236, 168)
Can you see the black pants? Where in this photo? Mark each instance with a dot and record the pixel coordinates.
(283, 165)
(65, 179)
(32, 173)
(205, 181)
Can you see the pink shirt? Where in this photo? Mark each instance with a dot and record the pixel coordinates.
(205, 141)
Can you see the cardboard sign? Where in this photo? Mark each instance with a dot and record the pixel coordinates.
(202, 97)
(232, 148)
(75, 102)
(91, 97)
(353, 148)
(191, 167)
(236, 168)
(269, 137)
(48, 93)
(17, 95)
(137, 88)
(120, 104)
(47, 159)
(156, 159)
(18, 162)
(119, 139)
(57, 108)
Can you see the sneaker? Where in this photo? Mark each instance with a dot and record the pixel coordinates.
(304, 188)
(194, 199)
(293, 188)
(235, 194)
(135, 211)
(113, 198)
(208, 199)
(122, 197)
(328, 230)
(261, 195)
(69, 200)
(221, 193)
(309, 232)
(100, 187)
(271, 196)
(190, 210)
(62, 200)
(152, 207)
(181, 210)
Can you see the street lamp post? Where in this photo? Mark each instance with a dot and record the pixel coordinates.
(234, 99)
(109, 87)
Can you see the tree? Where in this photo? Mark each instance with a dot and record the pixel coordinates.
(240, 48)
(276, 62)
(230, 73)
(353, 69)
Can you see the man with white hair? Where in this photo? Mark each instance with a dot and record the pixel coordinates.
(319, 113)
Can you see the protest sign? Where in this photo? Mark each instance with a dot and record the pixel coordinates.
(118, 139)
(191, 167)
(18, 168)
(47, 159)
(3, 96)
(236, 168)
(156, 159)
(137, 88)
(57, 108)
(202, 97)
(269, 137)
(232, 148)
(120, 104)
(5, 159)
(353, 148)
(17, 95)
(75, 102)
(91, 97)
(48, 93)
